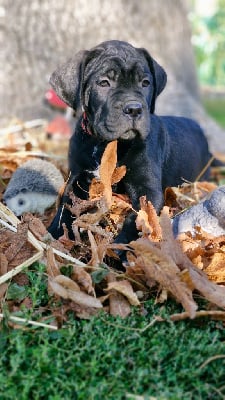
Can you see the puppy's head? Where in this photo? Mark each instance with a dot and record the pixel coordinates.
(116, 85)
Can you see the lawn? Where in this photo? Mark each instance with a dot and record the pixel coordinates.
(108, 358)
(111, 358)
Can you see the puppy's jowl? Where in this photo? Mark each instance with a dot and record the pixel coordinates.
(116, 86)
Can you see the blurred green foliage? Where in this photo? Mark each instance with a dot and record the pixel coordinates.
(215, 107)
(209, 45)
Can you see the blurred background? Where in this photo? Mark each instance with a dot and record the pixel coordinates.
(186, 36)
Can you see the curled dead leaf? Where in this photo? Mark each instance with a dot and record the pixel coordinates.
(83, 279)
(161, 268)
(124, 287)
(52, 265)
(66, 282)
(118, 174)
(107, 167)
(81, 298)
(118, 304)
(147, 220)
(3, 264)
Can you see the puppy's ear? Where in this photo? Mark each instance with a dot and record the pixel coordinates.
(67, 80)
(159, 77)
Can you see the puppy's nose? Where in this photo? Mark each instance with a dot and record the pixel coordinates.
(133, 109)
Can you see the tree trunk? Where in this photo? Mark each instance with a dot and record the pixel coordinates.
(40, 34)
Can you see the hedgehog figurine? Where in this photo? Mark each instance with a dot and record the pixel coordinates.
(209, 214)
(33, 187)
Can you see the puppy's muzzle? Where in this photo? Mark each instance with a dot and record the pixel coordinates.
(133, 109)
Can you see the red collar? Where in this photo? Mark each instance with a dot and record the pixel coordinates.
(85, 124)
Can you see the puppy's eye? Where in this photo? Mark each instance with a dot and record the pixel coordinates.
(104, 83)
(145, 83)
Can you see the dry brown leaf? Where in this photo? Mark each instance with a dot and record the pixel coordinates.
(83, 279)
(92, 227)
(79, 206)
(118, 304)
(18, 241)
(94, 250)
(216, 269)
(107, 167)
(161, 268)
(136, 274)
(103, 247)
(118, 174)
(92, 218)
(191, 193)
(96, 189)
(142, 223)
(212, 292)
(3, 289)
(65, 240)
(170, 198)
(162, 297)
(169, 245)
(152, 218)
(214, 314)
(52, 265)
(66, 282)
(3, 264)
(78, 297)
(124, 287)
(36, 226)
(185, 277)
(83, 312)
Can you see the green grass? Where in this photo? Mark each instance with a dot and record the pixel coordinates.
(95, 360)
(216, 108)
(109, 358)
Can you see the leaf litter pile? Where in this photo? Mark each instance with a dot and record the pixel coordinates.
(85, 276)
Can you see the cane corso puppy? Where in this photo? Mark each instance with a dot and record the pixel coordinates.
(116, 86)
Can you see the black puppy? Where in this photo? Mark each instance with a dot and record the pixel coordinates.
(116, 86)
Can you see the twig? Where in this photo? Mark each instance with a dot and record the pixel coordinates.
(217, 357)
(28, 321)
(205, 168)
(202, 313)
(63, 255)
(25, 125)
(20, 267)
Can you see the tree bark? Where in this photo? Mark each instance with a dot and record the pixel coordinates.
(40, 34)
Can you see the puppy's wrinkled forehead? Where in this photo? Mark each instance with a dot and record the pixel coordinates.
(117, 58)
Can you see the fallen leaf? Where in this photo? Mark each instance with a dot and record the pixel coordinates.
(160, 267)
(212, 292)
(118, 174)
(83, 279)
(35, 225)
(52, 266)
(94, 250)
(119, 306)
(107, 167)
(216, 268)
(124, 287)
(96, 189)
(152, 218)
(66, 282)
(3, 289)
(142, 223)
(78, 297)
(18, 241)
(3, 264)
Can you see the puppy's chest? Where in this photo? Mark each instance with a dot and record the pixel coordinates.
(93, 162)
